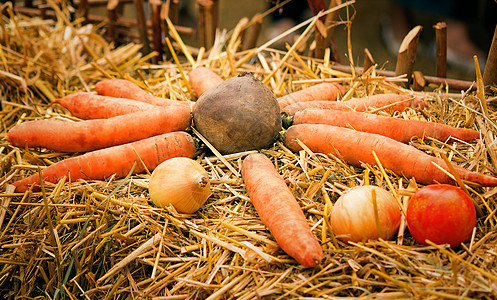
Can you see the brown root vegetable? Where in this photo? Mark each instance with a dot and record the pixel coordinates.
(239, 114)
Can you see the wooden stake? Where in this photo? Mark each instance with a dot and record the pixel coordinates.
(155, 8)
(330, 39)
(200, 24)
(441, 45)
(490, 72)
(83, 10)
(43, 9)
(320, 39)
(164, 14)
(252, 33)
(419, 81)
(407, 53)
(206, 29)
(142, 25)
(215, 18)
(368, 60)
(325, 37)
(173, 11)
(112, 16)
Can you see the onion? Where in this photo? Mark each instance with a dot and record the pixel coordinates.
(181, 182)
(354, 217)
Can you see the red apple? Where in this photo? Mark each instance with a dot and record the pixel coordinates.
(441, 213)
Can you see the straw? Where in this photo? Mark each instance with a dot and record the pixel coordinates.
(102, 239)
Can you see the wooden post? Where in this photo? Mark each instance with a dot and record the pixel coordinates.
(215, 18)
(142, 25)
(173, 12)
(206, 29)
(490, 72)
(368, 60)
(407, 53)
(253, 32)
(155, 8)
(200, 24)
(325, 34)
(419, 81)
(83, 10)
(112, 16)
(165, 13)
(441, 51)
(43, 9)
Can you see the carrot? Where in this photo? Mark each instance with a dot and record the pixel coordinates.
(402, 130)
(118, 160)
(356, 148)
(202, 79)
(122, 88)
(90, 106)
(321, 91)
(90, 135)
(361, 104)
(279, 210)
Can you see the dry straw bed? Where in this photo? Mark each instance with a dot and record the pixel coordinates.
(106, 240)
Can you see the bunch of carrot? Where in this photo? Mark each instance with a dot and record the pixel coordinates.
(345, 129)
(122, 125)
(120, 160)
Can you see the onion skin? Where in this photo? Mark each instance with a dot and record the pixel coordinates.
(353, 215)
(181, 182)
(441, 213)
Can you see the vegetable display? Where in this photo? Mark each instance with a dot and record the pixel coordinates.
(441, 213)
(279, 210)
(365, 213)
(126, 129)
(356, 148)
(117, 160)
(181, 182)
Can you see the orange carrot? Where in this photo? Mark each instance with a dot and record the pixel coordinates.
(361, 104)
(202, 79)
(122, 88)
(279, 210)
(90, 106)
(321, 91)
(118, 160)
(356, 148)
(402, 130)
(97, 134)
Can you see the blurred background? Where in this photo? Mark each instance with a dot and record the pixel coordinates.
(378, 25)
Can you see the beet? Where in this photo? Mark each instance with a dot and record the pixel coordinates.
(238, 115)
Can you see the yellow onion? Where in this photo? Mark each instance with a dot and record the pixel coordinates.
(181, 182)
(365, 213)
